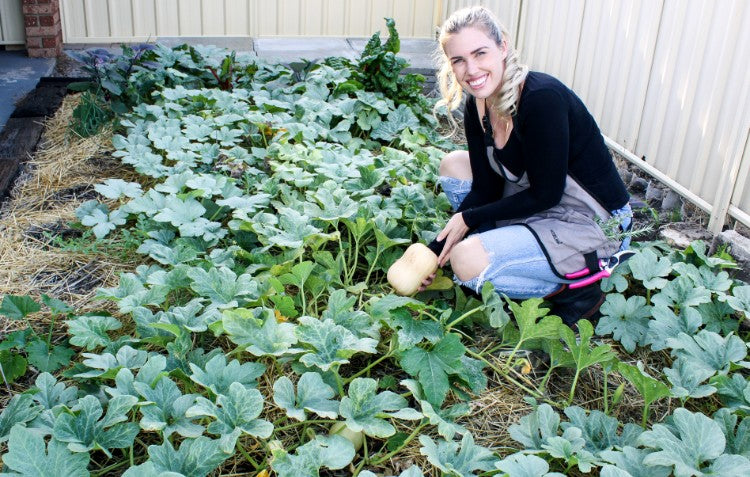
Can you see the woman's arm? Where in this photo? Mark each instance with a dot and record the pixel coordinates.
(545, 138)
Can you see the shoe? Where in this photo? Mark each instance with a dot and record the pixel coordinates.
(575, 304)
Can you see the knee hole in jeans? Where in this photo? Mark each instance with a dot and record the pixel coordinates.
(456, 164)
(466, 261)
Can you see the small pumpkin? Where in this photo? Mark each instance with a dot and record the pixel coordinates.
(407, 273)
(356, 438)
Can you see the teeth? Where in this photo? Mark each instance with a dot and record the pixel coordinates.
(478, 82)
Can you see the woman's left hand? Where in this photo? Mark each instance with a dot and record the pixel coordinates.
(453, 232)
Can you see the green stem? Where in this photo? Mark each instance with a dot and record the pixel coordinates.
(462, 318)
(533, 392)
(513, 354)
(51, 328)
(247, 456)
(606, 395)
(339, 383)
(372, 266)
(302, 423)
(110, 468)
(644, 419)
(573, 386)
(411, 436)
(369, 367)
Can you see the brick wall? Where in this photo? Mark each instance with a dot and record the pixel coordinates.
(43, 28)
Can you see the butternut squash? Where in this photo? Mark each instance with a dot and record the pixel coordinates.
(407, 273)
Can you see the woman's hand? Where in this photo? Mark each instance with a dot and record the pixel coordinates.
(426, 282)
(453, 232)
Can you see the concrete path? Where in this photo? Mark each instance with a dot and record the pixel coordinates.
(19, 74)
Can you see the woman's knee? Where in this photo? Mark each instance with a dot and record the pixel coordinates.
(469, 258)
(456, 164)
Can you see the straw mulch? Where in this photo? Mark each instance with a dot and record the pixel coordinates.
(40, 252)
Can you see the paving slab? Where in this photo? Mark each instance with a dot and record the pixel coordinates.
(238, 44)
(19, 74)
(289, 49)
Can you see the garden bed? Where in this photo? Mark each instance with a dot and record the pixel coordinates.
(206, 282)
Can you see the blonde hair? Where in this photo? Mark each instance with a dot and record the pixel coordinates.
(505, 101)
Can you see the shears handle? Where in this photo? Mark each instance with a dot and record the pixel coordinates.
(589, 280)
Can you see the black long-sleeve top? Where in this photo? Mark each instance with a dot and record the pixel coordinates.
(553, 135)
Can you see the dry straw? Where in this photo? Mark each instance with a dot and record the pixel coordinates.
(55, 181)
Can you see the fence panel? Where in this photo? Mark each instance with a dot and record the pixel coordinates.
(105, 21)
(12, 30)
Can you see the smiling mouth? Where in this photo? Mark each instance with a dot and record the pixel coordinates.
(479, 82)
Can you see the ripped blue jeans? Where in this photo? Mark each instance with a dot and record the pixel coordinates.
(518, 266)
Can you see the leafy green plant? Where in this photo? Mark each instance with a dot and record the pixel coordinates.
(39, 349)
(651, 389)
(583, 355)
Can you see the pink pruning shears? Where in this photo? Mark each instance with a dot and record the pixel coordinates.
(606, 266)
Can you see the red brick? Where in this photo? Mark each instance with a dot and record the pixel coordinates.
(33, 42)
(46, 20)
(33, 31)
(29, 2)
(31, 21)
(38, 9)
(44, 52)
(49, 42)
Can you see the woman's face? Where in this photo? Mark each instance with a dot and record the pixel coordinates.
(477, 61)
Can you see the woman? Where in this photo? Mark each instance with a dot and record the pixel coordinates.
(536, 181)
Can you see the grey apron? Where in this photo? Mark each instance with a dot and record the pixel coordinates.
(567, 233)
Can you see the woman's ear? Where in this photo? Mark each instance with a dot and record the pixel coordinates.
(504, 49)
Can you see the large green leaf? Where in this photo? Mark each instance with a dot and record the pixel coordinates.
(334, 452)
(195, 458)
(164, 409)
(525, 465)
(689, 445)
(709, 350)
(331, 344)
(90, 331)
(84, 429)
(738, 436)
(687, 379)
(432, 367)
(217, 375)
(630, 461)
(48, 358)
(260, 332)
(536, 428)
(650, 269)
(363, 408)
(223, 287)
(17, 307)
(459, 460)
(20, 410)
(235, 414)
(681, 292)
(666, 325)
(313, 395)
(599, 431)
(626, 320)
(28, 456)
(411, 330)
